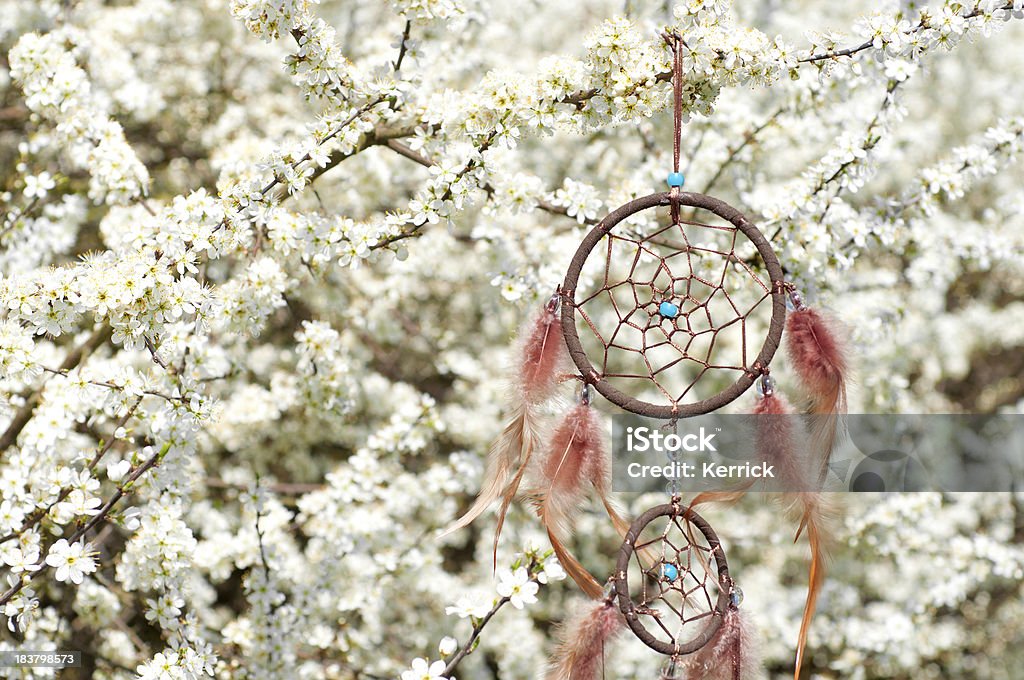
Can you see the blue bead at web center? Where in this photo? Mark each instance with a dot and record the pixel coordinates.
(668, 310)
(670, 572)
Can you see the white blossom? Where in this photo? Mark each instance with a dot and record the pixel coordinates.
(422, 669)
(37, 186)
(517, 586)
(71, 561)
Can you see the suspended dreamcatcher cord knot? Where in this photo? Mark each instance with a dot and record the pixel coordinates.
(676, 179)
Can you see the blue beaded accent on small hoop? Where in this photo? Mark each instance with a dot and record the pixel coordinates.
(676, 179)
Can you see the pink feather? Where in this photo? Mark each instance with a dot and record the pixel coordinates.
(819, 358)
(782, 442)
(540, 355)
(584, 639)
(576, 459)
(818, 355)
(732, 654)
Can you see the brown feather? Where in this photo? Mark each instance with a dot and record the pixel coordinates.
(782, 442)
(575, 459)
(818, 514)
(815, 581)
(516, 441)
(725, 497)
(509, 494)
(732, 654)
(583, 640)
(819, 357)
(540, 354)
(583, 578)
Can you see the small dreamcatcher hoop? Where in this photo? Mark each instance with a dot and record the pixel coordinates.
(686, 572)
(667, 319)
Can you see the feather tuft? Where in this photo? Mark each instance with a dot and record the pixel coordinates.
(575, 460)
(576, 571)
(732, 654)
(818, 355)
(782, 443)
(819, 359)
(584, 638)
(540, 355)
(517, 440)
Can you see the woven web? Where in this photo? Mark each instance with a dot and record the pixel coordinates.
(710, 273)
(674, 606)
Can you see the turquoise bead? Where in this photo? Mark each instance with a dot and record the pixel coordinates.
(676, 179)
(668, 310)
(670, 572)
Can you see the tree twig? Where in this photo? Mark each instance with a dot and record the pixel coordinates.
(403, 46)
(473, 637)
(284, 488)
(403, 150)
(71, 361)
(37, 515)
(100, 515)
(734, 152)
(921, 25)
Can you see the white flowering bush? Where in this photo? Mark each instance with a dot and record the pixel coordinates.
(260, 262)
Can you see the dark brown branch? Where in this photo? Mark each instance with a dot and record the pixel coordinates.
(32, 519)
(546, 206)
(377, 137)
(16, 112)
(334, 133)
(580, 98)
(870, 141)
(404, 46)
(835, 54)
(468, 167)
(735, 150)
(403, 150)
(921, 25)
(285, 488)
(474, 636)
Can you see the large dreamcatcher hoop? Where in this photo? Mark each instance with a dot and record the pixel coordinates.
(668, 314)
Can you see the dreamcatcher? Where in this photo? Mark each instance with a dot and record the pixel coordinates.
(666, 320)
